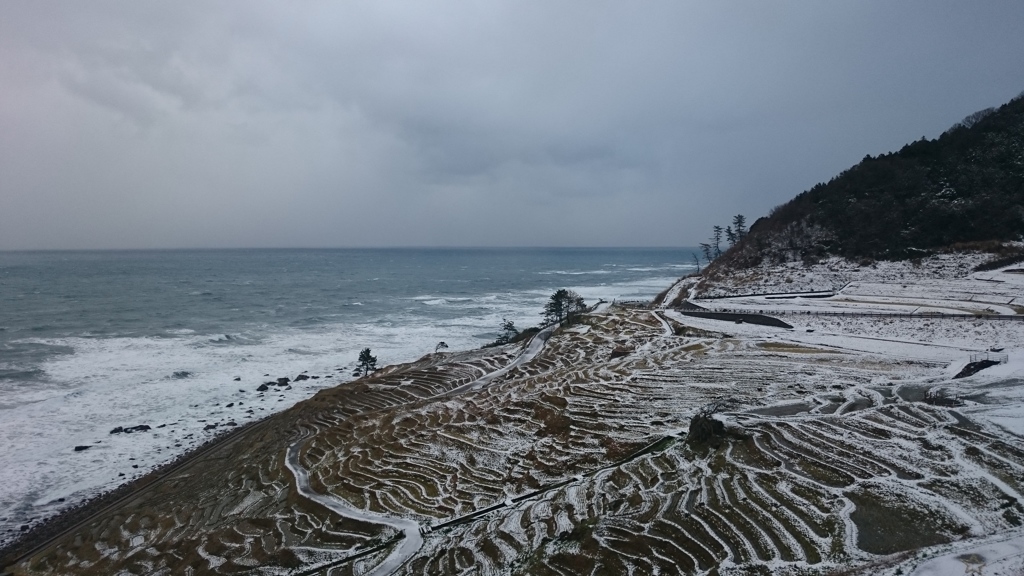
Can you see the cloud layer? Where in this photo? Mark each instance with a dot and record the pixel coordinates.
(190, 124)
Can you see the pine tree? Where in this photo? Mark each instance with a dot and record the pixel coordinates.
(508, 332)
(716, 240)
(367, 362)
(739, 226)
(706, 249)
(564, 304)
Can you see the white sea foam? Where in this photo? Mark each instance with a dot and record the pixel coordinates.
(573, 272)
(662, 268)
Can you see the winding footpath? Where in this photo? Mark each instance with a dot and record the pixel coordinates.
(409, 544)
(666, 327)
(412, 531)
(533, 347)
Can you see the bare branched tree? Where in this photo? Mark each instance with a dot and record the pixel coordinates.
(703, 425)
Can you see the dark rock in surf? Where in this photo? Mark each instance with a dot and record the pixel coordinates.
(81, 448)
(130, 429)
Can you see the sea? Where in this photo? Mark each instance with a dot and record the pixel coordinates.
(179, 340)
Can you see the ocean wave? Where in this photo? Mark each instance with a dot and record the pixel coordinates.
(573, 272)
(20, 374)
(431, 300)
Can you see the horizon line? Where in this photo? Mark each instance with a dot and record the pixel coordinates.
(409, 247)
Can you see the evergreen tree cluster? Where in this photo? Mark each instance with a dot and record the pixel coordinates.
(967, 186)
(563, 305)
(733, 234)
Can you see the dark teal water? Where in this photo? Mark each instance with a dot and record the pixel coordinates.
(48, 296)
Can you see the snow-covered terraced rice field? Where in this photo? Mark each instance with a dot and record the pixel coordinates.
(576, 461)
(832, 472)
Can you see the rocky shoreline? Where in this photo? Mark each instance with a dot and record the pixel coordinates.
(36, 536)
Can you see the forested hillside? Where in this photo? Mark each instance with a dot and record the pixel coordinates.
(966, 186)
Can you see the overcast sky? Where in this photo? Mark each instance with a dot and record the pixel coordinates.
(567, 123)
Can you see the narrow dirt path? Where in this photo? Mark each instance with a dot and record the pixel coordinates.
(408, 545)
(664, 323)
(533, 347)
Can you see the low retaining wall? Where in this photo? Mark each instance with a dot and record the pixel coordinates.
(759, 319)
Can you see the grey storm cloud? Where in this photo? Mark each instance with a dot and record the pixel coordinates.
(231, 124)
